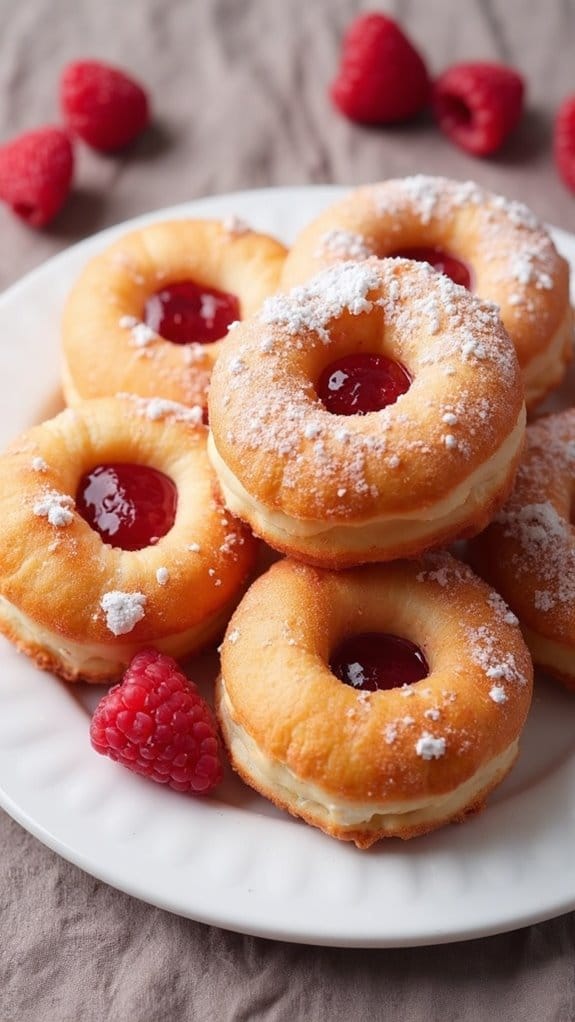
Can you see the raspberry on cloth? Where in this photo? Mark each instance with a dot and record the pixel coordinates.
(382, 78)
(102, 105)
(478, 105)
(36, 173)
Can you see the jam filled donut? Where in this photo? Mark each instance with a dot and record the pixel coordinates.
(384, 701)
(148, 314)
(528, 553)
(371, 414)
(494, 246)
(113, 540)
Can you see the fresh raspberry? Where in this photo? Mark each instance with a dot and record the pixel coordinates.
(156, 723)
(382, 78)
(478, 105)
(564, 141)
(102, 105)
(36, 174)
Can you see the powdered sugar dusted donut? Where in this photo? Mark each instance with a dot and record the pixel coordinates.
(296, 458)
(494, 245)
(384, 754)
(148, 315)
(113, 538)
(528, 552)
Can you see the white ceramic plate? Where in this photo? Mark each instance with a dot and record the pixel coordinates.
(235, 861)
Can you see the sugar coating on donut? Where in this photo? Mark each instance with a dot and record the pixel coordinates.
(345, 245)
(429, 747)
(546, 543)
(377, 756)
(310, 307)
(506, 225)
(464, 342)
(544, 536)
(56, 507)
(509, 254)
(155, 408)
(123, 610)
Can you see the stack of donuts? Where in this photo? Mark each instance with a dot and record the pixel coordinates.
(357, 404)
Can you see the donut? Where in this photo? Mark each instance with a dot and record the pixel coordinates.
(114, 538)
(491, 244)
(528, 552)
(384, 701)
(147, 315)
(432, 457)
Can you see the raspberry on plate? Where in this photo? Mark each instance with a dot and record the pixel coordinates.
(157, 724)
(382, 78)
(564, 141)
(103, 105)
(478, 105)
(36, 173)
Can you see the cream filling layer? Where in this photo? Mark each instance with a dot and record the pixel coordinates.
(307, 799)
(546, 369)
(547, 653)
(86, 660)
(384, 530)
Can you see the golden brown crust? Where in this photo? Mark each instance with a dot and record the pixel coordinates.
(528, 552)
(54, 577)
(513, 259)
(342, 747)
(321, 552)
(364, 838)
(102, 357)
(273, 435)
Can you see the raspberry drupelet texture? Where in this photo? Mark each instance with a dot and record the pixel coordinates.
(382, 78)
(102, 105)
(36, 174)
(478, 105)
(157, 724)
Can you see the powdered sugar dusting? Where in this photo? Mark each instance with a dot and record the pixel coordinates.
(155, 408)
(502, 611)
(498, 694)
(162, 576)
(540, 526)
(429, 747)
(340, 288)
(493, 657)
(123, 610)
(506, 231)
(288, 426)
(344, 245)
(140, 333)
(56, 507)
(38, 465)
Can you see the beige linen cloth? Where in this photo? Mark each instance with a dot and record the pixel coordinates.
(239, 92)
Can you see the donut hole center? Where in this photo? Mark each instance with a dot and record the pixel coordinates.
(361, 383)
(186, 312)
(442, 261)
(131, 506)
(378, 660)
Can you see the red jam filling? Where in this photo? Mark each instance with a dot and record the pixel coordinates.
(376, 660)
(131, 506)
(189, 313)
(441, 261)
(358, 384)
